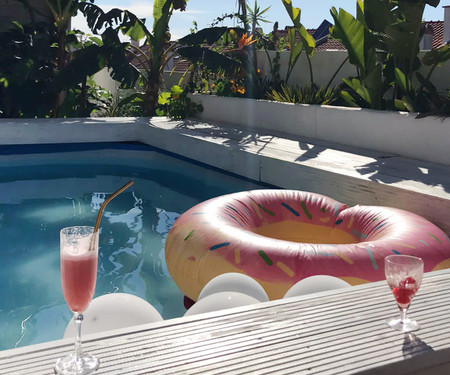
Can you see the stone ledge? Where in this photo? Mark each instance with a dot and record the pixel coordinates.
(352, 176)
(393, 132)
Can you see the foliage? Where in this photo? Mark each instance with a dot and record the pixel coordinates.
(220, 55)
(31, 82)
(27, 70)
(121, 104)
(309, 94)
(52, 77)
(176, 104)
(305, 40)
(156, 42)
(383, 44)
(62, 11)
(224, 87)
(255, 15)
(442, 110)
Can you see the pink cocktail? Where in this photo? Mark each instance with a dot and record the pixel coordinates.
(79, 256)
(78, 277)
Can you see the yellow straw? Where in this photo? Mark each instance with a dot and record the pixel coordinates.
(107, 200)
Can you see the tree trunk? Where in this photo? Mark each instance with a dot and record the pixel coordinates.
(60, 64)
(151, 94)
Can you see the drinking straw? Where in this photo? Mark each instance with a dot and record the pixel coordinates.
(107, 200)
(102, 207)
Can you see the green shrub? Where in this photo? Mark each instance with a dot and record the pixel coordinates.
(176, 104)
(309, 94)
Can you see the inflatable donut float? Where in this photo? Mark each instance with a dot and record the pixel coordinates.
(279, 237)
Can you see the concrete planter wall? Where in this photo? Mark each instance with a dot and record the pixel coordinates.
(398, 133)
(39, 131)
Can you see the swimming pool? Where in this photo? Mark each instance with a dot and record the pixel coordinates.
(46, 188)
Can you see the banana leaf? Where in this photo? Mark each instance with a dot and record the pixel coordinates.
(350, 32)
(295, 48)
(209, 35)
(437, 56)
(209, 59)
(294, 13)
(97, 19)
(309, 43)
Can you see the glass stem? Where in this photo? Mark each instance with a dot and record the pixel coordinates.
(403, 314)
(78, 319)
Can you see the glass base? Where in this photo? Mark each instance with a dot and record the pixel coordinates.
(73, 365)
(407, 325)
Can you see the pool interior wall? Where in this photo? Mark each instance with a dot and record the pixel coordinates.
(44, 188)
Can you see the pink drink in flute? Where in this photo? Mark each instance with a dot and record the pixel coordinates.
(79, 255)
(78, 277)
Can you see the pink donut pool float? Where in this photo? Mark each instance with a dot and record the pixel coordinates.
(279, 237)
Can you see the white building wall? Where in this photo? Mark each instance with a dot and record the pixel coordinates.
(325, 64)
(103, 79)
(446, 37)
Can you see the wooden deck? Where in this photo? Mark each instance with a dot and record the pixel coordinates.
(337, 332)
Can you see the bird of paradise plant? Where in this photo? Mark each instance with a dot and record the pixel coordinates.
(231, 61)
(245, 42)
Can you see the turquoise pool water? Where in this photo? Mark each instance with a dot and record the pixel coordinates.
(46, 188)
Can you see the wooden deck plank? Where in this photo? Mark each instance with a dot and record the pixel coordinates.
(328, 333)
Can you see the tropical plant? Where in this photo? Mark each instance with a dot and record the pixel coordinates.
(361, 47)
(27, 70)
(383, 44)
(221, 53)
(62, 12)
(157, 43)
(242, 12)
(309, 94)
(228, 87)
(298, 40)
(118, 104)
(176, 104)
(55, 66)
(255, 16)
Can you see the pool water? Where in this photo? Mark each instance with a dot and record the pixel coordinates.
(46, 188)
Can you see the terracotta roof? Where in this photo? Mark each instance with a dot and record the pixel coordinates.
(332, 44)
(326, 44)
(180, 64)
(438, 32)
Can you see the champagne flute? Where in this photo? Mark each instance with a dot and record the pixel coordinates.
(79, 257)
(404, 276)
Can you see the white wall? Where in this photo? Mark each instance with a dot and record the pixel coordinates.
(398, 133)
(446, 36)
(103, 79)
(325, 64)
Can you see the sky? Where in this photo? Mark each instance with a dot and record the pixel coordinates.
(313, 12)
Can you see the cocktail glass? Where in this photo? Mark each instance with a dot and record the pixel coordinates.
(404, 276)
(79, 256)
